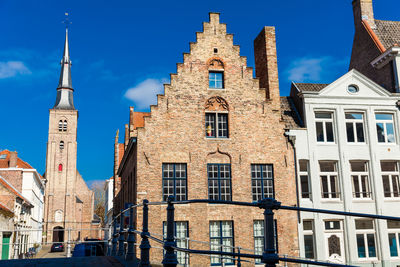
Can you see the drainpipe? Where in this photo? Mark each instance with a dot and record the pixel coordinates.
(292, 140)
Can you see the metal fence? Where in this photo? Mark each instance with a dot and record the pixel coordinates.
(269, 257)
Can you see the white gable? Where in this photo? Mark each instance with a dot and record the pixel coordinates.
(365, 86)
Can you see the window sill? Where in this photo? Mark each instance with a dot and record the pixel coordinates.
(324, 200)
(326, 143)
(217, 138)
(356, 144)
(392, 199)
(217, 89)
(363, 200)
(387, 144)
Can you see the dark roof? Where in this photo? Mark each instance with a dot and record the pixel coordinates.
(388, 32)
(289, 114)
(311, 87)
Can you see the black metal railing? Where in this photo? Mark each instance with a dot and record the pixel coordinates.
(269, 257)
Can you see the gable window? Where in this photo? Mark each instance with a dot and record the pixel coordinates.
(216, 79)
(359, 177)
(324, 127)
(329, 180)
(221, 239)
(217, 125)
(355, 127)
(394, 238)
(304, 179)
(384, 128)
(174, 181)
(365, 235)
(390, 179)
(61, 145)
(219, 181)
(262, 181)
(181, 235)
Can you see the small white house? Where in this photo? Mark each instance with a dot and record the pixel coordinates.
(348, 158)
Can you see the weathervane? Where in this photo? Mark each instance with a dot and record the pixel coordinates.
(66, 20)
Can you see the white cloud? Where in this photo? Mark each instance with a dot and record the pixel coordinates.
(315, 69)
(12, 68)
(145, 93)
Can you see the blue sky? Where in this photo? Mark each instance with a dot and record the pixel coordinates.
(122, 52)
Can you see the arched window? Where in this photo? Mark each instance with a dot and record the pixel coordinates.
(216, 74)
(61, 145)
(216, 118)
(60, 126)
(60, 167)
(65, 126)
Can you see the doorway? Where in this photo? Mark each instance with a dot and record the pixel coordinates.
(334, 241)
(58, 234)
(5, 249)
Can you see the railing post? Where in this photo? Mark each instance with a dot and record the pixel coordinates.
(269, 257)
(121, 239)
(131, 237)
(239, 264)
(145, 244)
(69, 244)
(170, 259)
(115, 239)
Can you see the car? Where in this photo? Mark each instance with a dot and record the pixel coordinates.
(57, 247)
(88, 249)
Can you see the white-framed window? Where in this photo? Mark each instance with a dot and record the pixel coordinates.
(359, 178)
(308, 235)
(216, 79)
(329, 180)
(385, 128)
(181, 234)
(324, 127)
(217, 125)
(394, 238)
(355, 127)
(390, 179)
(365, 236)
(304, 179)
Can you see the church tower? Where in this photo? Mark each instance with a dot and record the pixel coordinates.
(68, 201)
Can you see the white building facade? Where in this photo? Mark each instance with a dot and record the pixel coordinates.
(348, 158)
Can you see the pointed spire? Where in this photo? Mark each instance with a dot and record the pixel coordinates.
(64, 98)
(65, 76)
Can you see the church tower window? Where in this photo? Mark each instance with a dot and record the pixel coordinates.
(65, 126)
(61, 145)
(60, 126)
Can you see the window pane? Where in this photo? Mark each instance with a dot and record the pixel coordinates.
(307, 225)
(304, 186)
(358, 166)
(210, 124)
(371, 245)
(393, 245)
(222, 125)
(327, 166)
(350, 132)
(364, 224)
(329, 131)
(320, 132)
(357, 116)
(360, 132)
(361, 246)
(323, 115)
(303, 165)
(386, 186)
(387, 166)
(390, 132)
(384, 116)
(309, 246)
(395, 185)
(325, 191)
(393, 224)
(334, 187)
(356, 186)
(380, 132)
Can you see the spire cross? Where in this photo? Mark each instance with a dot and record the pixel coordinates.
(66, 20)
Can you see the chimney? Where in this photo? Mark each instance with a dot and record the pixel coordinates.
(126, 135)
(363, 10)
(266, 62)
(131, 122)
(13, 159)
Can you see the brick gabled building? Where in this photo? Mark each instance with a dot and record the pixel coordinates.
(216, 133)
(376, 48)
